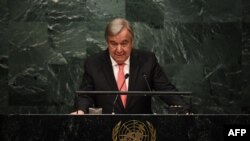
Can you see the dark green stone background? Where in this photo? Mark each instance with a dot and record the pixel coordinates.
(202, 45)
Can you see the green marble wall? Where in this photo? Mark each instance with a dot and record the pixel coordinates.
(202, 45)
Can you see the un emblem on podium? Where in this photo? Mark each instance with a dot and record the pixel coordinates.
(134, 130)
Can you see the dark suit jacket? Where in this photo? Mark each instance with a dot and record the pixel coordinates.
(99, 76)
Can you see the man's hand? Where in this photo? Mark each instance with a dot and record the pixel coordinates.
(79, 112)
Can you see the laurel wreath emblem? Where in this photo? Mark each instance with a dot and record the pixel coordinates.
(115, 131)
(151, 129)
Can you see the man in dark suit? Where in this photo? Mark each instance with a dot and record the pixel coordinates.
(106, 71)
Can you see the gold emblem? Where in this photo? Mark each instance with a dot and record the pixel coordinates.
(134, 130)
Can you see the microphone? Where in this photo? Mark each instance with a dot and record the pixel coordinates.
(146, 80)
(126, 76)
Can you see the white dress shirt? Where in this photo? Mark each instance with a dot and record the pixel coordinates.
(116, 69)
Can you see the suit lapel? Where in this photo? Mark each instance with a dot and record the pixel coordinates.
(108, 72)
(134, 70)
(109, 76)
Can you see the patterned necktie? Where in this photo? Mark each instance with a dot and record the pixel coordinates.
(120, 80)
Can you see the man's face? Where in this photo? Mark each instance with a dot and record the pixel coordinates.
(120, 46)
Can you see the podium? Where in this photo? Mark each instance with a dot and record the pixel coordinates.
(138, 93)
(109, 127)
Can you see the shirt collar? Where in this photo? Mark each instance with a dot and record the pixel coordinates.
(115, 64)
